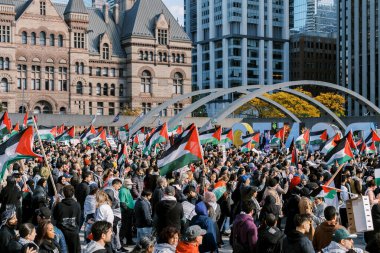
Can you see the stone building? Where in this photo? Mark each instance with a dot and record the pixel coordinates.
(57, 58)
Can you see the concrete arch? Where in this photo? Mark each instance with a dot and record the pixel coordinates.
(176, 120)
(318, 104)
(155, 111)
(237, 103)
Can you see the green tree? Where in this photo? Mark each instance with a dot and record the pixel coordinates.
(334, 102)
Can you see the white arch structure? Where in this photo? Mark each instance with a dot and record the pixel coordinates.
(253, 91)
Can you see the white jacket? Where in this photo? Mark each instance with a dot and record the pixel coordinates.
(104, 212)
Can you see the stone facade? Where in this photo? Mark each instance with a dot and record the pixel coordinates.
(65, 59)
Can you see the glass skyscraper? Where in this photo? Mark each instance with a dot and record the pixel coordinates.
(313, 16)
(237, 42)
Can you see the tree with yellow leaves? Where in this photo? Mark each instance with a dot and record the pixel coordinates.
(333, 101)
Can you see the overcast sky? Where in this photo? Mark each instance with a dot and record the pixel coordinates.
(176, 8)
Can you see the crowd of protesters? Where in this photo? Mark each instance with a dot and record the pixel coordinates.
(267, 205)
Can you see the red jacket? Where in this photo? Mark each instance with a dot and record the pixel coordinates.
(187, 247)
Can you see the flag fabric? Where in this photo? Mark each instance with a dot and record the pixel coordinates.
(227, 136)
(159, 135)
(341, 153)
(361, 146)
(135, 142)
(330, 144)
(350, 139)
(377, 177)
(61, 129)
(123, 133)
(211, 136)
(25, 122)
(246, 147)
(371, 148)
(122, 156)
(16, 127)
(318, 137)
(278, 138)
(294, 159)
(87, 134)
(175, 130)
(219, 191)
(184, 151)
(17, 147)
(100, 137)
(29, 121)
(116, 119)
(372, 137)
(303, 139)
(5, 125)
(66, 135)
(256, 138)
(47, 133)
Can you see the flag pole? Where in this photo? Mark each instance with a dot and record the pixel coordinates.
(44, 155)
(336, 173)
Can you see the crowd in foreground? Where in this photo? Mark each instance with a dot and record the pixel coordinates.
(257, 199)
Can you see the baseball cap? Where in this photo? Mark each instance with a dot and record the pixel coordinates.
(341, 234)
(67, 175)
(44, 212)
(194, 231)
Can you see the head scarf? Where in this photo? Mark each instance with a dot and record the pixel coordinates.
(7, 215)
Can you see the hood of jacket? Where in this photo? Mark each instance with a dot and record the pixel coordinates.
(201, 208)
(92, 247)
(169, 204)
(242, 217)
(164, 247)
(272, 234)
(68, 202)
(327, 228)
(294, 237)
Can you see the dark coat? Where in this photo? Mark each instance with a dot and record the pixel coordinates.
(296, 242)
(81, 192)
(6, 236)
(246, 231)
(138, 186)
(169, 213)
(143, 213)
(67, 215)
(10, 195)
(49, 247)
(270, 240)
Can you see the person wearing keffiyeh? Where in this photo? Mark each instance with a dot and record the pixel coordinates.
(8, 227)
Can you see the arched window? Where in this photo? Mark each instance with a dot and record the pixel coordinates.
(79, 87)
(165, 57)
(60, 40)
(106, 51)
(141, 55)
(42, 38)
(150, 56)
(178, 58)
(33, 38)
(173, 57)
(77, 68)
(146, 56)
(146, 80)
(37, 110)
(1, 63)
(6, 63)
(90, 89)
(24, 37)
(105, 90)
(160, 56)
(4, 85)
(182, 58)
(98, 89)
(62, 110)
(178, 83)
(21, 109)
(121, 90)
(112, 90)
(81, 68)
(52, 40)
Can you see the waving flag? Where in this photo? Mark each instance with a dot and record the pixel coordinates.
(16, 128)
(279, 137)
(116, 119)
(318, 137)
(47, 133)
(17, 147)
(330, 144)
(88, 134)
(350, 139)
(100, 137)
(136, 142)
(211, 136)
(5, 125)
(61, 129)
(124, 133)
(184, 151)
(227, 136)
(372, 137)
(246, 147)
(371, 148)
(176, 130)
(303, 139)
(341, 153)
(160, 135)
(122, 156)
(66, 135)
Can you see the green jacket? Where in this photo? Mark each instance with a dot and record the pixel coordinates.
(125, 197)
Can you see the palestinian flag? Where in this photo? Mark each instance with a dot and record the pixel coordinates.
(47, 133)
(88, 134)
(66, 135)
(135, 142)
(17, 147)
(372, 137)
(124, 133)
(25, 122)
(377, 177)
(341, 153)
(330, 144)
(176, 130)
(278, 138)
(361, 146)
(371, 148)
(98, 138)
(149, 134)
(159, 135)
(212, 136)
(350, 139)
(219, 191)
(318, 137)
(246, 147)
(184, 151)
(227, 136)
(5, 125)
(16, 128)
(61, 129)
(330, 189)
(303, 139)
(122, 156)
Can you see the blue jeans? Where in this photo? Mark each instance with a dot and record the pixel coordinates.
(141, 232)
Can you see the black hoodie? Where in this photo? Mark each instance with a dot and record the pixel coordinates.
(270, 240)
(67, 214)
(169, 213)
(296, 242)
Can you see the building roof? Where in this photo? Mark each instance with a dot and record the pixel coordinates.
(140, 20)
(75, 6)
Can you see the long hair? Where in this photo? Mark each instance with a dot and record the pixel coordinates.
(101, 198)
(41, 232)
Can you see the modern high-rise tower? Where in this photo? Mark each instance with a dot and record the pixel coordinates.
(358, 43)
(237, 42)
